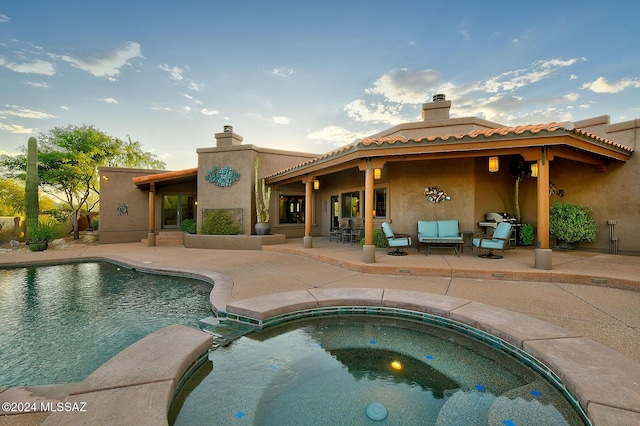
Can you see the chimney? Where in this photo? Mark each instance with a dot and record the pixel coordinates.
(436, 110)
(227, 137)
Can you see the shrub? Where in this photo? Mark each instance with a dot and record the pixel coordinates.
(188, 225)
(219, 222)
(43, 232)
(379, 239)
(571, 222)
(527, 234)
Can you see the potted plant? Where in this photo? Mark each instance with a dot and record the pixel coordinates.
(39, 237)
(263, 201)
(527, 234)
(571, 223)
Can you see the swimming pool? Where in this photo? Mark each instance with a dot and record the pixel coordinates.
(59, 323)
(329, 369)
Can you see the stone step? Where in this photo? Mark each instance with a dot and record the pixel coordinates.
(164, 238)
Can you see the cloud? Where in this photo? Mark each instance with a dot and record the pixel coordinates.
(15, 128)
(281, 120)
(278, 119)
(109, 101)
(38, 84)
(511, 81)
(109, 63)
(601, 85)
(36, 66)
(4, 18)
(22, 112)
(374, 112)
(337, 135)
(278, 72)
(405, 86)
(209, 111)
(176, 73)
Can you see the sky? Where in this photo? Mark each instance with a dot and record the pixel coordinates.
(305, 75)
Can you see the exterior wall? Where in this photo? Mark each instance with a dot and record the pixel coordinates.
(241, 194)
(118, 189)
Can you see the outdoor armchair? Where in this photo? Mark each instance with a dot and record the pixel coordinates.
(497, 241)
(397, 241)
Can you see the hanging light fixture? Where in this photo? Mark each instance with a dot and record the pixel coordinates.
(494, 164)
(534, 169)
(316, 184)
(377, 173)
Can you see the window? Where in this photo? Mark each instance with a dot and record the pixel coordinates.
(291, 209)
(380, 202)
(351, 204)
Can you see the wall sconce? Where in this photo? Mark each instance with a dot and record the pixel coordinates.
(316, 184)
(534, 169)
(104, 177)
(377, 173)
(494, 164)
(374, 213)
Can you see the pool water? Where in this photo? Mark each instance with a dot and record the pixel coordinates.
(327, 370)
(59, 323)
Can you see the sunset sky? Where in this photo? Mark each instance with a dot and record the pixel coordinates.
(306, 75)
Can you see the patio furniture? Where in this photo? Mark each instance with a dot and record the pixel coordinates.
(497, 241)
(439, 232)
(397, 241)
(338, 232)
(355, 233)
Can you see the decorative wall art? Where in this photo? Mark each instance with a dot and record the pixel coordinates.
(222, 176)
(122, 209)
(554, 191)
(436, 195)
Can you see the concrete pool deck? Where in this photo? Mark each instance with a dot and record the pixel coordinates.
(581, 318)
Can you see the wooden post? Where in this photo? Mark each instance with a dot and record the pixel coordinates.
(152, 207)
(543, 200)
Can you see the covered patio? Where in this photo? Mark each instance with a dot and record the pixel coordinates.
(539, 144)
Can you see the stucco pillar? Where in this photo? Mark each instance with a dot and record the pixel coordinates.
(368, 250)
(151, 238)
(543, 255)
(308, 213)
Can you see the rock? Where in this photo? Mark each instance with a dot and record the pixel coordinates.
(89, 239)
(58, 243)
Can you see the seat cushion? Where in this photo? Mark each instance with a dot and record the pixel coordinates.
(448, 228)
(427, 228)
(488, 244)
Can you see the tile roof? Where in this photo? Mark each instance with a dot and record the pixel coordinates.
(500, 132)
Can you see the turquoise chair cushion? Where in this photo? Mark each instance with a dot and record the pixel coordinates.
(448, 228)
(427, 229)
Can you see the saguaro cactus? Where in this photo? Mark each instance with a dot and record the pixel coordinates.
(262, 202)
(31, 187)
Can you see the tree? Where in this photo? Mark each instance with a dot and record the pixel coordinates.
(11, 197)
(518, 168)
(68, 161)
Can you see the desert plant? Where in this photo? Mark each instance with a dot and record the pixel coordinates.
(31, 187)
(262, 201)
(188, 225)
(41, 233)
(219, 222)
(571, 223)
(527, 234)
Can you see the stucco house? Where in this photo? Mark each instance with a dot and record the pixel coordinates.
(383, 178)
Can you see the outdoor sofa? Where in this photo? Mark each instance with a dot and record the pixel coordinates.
(443, 233)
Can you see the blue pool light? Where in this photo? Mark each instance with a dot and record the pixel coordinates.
(240, 414)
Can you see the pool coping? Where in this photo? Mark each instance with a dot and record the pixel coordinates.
(606, 383)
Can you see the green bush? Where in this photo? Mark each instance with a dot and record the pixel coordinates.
(43, 232)
(527, 234)
(379, 239)
(188, 225)
(571, 223)
(219, 222)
